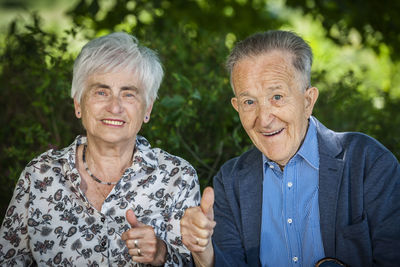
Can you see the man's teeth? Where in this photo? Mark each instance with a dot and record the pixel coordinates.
(269, 134)
(113, 122)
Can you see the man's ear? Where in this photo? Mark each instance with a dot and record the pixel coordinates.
(310, 97)
(78, 110)
(234, 102)
(148, 112)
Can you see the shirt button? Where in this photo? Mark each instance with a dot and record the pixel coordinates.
(295, 259)
(271, 166)
(102, 219)
(290, 184)
(289, 221)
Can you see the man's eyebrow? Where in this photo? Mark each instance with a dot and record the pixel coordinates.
(272, 87)
(243, 94)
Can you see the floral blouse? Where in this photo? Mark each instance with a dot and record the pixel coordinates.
(50, 221)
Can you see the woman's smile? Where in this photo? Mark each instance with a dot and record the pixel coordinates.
(113, 122)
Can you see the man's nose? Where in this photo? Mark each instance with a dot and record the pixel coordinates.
(265, 113)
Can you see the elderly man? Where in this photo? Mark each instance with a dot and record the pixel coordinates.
(304, 192)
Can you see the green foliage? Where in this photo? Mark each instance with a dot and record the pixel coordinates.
(192, 117)
(343, 108)
(376, 21)
(36, 110)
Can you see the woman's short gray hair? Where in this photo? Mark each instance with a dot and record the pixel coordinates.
(265, 42)
(114, 52)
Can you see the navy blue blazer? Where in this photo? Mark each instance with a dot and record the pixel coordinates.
(359, 203)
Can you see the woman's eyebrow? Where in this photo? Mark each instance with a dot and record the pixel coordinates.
(130, 87)
(99, 85)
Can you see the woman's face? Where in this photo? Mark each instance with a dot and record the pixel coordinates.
(113, 107)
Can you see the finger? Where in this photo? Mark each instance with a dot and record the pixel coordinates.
(132, 234)
(201, 242)
(197, 244)
(201, 232)
(136, 252)
(130, 243)
(131, 218)
(207, 202)
(194, 217)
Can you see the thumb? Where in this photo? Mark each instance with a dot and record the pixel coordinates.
(207, 202)
(131, 218)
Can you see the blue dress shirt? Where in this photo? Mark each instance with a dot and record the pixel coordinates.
(290, 230)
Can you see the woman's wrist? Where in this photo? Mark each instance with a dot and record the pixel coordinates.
(161, 253)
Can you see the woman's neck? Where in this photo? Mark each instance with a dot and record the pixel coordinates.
(109, 161)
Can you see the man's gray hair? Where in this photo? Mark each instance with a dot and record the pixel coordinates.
(115, 52)
(268, 41)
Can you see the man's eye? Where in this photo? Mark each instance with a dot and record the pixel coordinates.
(277, 97)
(248, 102)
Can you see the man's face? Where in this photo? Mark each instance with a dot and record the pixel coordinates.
(272, 104)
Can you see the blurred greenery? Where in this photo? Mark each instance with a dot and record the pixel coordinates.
(356, 69)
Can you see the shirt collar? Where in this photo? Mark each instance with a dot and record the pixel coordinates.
(144, 156)
(308, 150)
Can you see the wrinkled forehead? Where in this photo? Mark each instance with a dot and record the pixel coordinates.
(265, 59)
(118, 76)
(271, 69)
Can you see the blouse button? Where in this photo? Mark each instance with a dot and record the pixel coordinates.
(103, 219)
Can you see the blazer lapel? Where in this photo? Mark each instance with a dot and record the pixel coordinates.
(330, 177)
(250, 198)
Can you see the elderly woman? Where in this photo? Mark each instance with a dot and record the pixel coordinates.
(108, 199)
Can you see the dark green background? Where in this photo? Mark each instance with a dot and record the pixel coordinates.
(193, 117)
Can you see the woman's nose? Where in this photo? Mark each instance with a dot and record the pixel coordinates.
(115, 105)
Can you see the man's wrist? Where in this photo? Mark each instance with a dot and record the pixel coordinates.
(205, 258)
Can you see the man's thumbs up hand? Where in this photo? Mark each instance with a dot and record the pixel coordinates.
(197, 227)
(207, 203)
(197, 224)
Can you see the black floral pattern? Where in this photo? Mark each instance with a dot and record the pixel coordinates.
(49, 221)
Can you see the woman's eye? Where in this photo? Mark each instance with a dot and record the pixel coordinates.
(102, 93)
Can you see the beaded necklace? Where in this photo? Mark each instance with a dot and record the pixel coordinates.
(89, 172)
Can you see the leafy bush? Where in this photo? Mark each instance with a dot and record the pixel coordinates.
(36, 109)
(192, 117)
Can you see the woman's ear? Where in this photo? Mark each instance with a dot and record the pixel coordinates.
(78, 110)
(147, 113)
